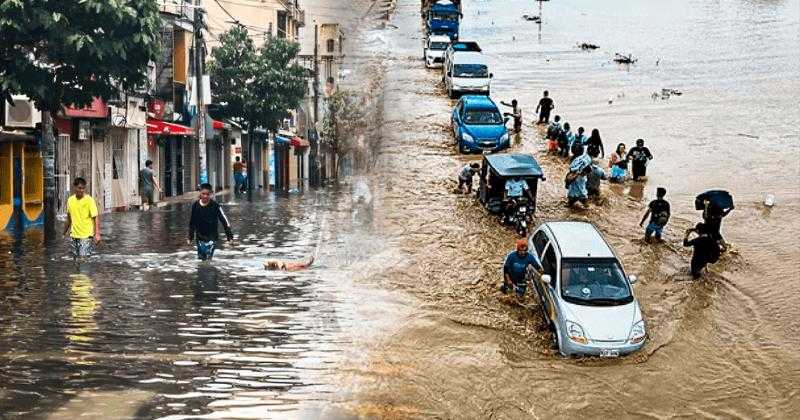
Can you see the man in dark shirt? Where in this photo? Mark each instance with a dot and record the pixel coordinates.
(544, 108)
(705, 249)
(203, 224)
(515, 268)
(659, 213)
(640, 156)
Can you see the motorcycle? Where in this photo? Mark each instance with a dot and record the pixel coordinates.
(520, 216)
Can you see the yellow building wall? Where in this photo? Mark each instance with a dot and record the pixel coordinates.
(6, 183)
(33, 182)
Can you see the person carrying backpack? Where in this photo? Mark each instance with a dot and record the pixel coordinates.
(553, 133)
(659, 213)
(705, 249)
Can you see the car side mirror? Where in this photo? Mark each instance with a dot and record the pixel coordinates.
(632, 278)
(505, 120)
(491, 75)
(547, 279)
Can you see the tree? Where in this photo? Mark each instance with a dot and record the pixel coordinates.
(256, 86)
(67, 52)
(344, 124)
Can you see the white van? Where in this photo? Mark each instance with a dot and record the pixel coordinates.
(434, 50)
(467, 72)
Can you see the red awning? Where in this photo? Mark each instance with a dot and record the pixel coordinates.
(97, 109)
(155, 126)
(217, 125)
(299, 142)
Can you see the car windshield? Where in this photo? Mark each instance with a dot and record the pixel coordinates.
(445, 16)
(470, 70)
(483, 116)
(594, 282)
(438, 45)
(466, 46)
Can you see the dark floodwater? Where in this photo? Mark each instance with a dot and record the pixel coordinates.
(143, 330)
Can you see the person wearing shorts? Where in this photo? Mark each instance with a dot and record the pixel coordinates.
(83, 221)
(148, 185)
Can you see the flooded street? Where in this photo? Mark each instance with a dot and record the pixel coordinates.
(725, 346)
(400, 317)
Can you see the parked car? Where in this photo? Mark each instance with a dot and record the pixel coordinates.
(434, 50)
(585, 296)
(465, 46)
(467, 72)
(478, 125)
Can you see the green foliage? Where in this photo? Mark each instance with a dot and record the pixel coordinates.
(67, 51)
(344, 119)
(258, 86)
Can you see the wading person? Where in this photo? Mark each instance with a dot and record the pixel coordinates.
(465, 176)
(577, 147)
(596, 174)
(516, 113)
(565, 140)
(545, 106)
(204, 223)
(716, 205)
(273, 264)
(83, 220)
(705, 249)
(553, 133)
(516, 267)
(239, 176)
(659, 213)
(148, 185)
(639, 156)
(594, 145)
(618, 164)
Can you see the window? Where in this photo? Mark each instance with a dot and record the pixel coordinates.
(549, 264)
(539, 242)
(594, 282)
(331, 44)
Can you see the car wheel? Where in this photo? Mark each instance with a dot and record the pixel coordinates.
(557, 344)
(461, 148)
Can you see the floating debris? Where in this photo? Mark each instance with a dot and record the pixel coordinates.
(666, 94)
(587, 46)
(532, 18)
(624, 59)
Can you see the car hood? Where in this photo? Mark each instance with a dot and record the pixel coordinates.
(435, 53)
(604, 323)
(486, 131)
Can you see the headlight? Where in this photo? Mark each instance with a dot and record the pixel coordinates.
(504, 138)
(467, 137)
(575, 333)
(637, 333)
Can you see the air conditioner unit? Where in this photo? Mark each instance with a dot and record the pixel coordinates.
(22, 114)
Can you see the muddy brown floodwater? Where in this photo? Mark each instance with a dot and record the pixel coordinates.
(723, 347)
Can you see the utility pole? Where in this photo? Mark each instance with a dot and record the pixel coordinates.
(314, 142)
(49, 162)
(199, 59)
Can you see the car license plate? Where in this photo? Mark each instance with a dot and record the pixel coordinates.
(487, 151)
(609, 353)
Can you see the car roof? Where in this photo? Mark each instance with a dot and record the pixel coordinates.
(478, 102)
(579, 240)
(515, 164)
(468, 57)
(439, 38)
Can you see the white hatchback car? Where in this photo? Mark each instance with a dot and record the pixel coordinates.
(434, 50)
(585, 296)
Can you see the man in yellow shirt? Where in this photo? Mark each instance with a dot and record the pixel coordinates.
(83, 221)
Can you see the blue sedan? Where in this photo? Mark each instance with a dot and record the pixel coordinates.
(478, 125)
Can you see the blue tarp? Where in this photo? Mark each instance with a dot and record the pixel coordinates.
(282, 140)
(515, 165)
